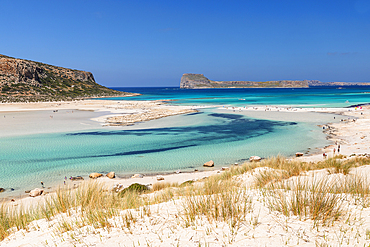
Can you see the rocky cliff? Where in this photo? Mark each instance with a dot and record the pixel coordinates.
(24, 80)
(200, 81)
(194, 81)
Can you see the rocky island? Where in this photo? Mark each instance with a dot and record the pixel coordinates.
(189, 80)
(28, 81)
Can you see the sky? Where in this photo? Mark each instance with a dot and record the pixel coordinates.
(151, 43)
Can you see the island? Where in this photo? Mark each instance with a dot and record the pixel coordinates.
(189, 80)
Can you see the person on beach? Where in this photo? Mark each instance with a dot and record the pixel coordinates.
(42, 184)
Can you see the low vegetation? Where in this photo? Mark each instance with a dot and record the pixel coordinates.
(287, 187)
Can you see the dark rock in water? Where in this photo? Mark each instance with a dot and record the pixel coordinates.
(2, 190)
(11, 189)
(77, 178)
(27, 191)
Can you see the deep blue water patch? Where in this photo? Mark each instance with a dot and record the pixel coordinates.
(227, 128)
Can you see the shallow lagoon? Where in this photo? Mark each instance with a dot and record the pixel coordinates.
(34, 149)
(180, 142)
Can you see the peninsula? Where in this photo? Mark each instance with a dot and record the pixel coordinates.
(189, 80)
(28, 81)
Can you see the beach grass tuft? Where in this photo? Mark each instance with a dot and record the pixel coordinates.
(308, 198)
(216, 200)
(283, 183)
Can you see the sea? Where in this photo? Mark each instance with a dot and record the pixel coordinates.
(178, 143)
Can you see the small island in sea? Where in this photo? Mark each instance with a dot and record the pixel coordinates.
(189, 80)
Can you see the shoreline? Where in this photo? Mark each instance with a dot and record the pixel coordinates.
(264, 222)
(353, 120)
(140, 107)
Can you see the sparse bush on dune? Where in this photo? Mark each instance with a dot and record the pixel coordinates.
(220, 198)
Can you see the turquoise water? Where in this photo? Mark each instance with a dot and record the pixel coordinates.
(180, 142)
(299, 97)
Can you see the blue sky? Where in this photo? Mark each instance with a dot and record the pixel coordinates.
(152, 43)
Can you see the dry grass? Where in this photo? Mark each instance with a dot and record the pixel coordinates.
(357, 188)
(162, 185)
(308, 198)
(339, 165)
(92, 202)
(218, 198)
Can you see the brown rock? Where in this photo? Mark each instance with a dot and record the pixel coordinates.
(77, 178)
(95, 175)
(209, 164)
(298, 154)
(159, 178)
(36, 192)
(2, 190)
(254, 158)
(111, 175)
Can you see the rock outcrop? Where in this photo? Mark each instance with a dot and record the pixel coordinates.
(255, 158)
(298, 154)
(95, 175)
(194, 81)
(24, 80)
(111, 175)
(36, 192)
(209, 164)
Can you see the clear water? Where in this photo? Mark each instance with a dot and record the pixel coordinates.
(299, 97)
(180, 142)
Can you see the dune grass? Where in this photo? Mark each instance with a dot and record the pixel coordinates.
(218, 198)
(308, 198)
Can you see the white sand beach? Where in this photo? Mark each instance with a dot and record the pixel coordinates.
(166, 225)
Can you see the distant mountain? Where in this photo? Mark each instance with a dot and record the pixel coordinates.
(189, 80)
(319, 83)
(24, 80)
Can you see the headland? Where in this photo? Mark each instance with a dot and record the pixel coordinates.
(189, 80)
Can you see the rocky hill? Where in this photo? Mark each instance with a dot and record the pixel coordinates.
(200, 81)
(24, 80)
